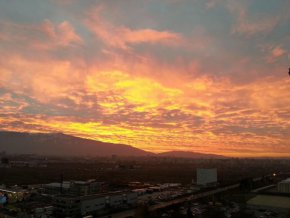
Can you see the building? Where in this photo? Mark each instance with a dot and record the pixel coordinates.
(57, 188)
(284, 186)
(76, 206)
(41, 212)
(67, 206)
(206, 177)
(88, 187)
(35, 209)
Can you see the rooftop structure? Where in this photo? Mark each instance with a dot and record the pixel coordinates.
(284, 186)
(74, 187)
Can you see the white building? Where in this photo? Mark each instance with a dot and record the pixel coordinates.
(206, 177)
(284, 186)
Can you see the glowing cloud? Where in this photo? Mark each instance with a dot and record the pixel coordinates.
(156, 78)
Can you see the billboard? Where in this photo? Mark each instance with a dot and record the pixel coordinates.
(206, 176)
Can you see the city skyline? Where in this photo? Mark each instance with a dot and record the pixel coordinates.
(203, 76)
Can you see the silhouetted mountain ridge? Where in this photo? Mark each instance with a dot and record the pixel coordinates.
(62, 144)
(189, 154)
(67, 145)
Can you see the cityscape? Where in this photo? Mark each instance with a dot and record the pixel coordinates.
(148, 186)
(144, 109)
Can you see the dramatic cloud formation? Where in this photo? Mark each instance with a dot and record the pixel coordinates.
(206, 76)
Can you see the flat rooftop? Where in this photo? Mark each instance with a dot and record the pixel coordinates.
(65, 185)
(285, 181)
(270, 201)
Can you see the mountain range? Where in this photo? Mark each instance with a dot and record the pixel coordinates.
(67, 145)
(189, 154)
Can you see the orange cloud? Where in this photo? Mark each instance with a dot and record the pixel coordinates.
(42, 36)
(200, 114)
(113, 104)
(122, 37)
(62, 34)
(249, 25)
(278, 51)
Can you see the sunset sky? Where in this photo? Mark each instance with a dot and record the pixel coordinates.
(195, 75)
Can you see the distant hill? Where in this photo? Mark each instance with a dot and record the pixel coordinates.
(66, 145)
(188, 154)
(61, 144)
